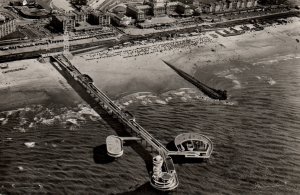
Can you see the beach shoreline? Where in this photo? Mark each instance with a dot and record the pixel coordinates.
(118, 76)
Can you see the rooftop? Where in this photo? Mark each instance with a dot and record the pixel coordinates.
(143, 6)
(159, 20)
(120, 8)
(98, 12)
(86, 26)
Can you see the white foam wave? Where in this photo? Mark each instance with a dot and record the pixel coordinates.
(21, 129)
(161, 102)
(223, 73)
(168, 99)
(29, 144)
(271, 81)
(4, 122)
(72, 124)
(31, 125)
(236, 70)
(140, 97)
(48, 122)
(230, 76)
(184, 99)
(23, 121)
(72, 121)
(144, 103)
(39, 115)
(54, 145)
(88, 111)
(20, 168)
(128, 103)
(181, 93)
(231, 71)
(237, 84)
(277, 59)
(93, 118)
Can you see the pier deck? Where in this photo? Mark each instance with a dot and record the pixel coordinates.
(111, 108)
(106, 103)
(128, 120)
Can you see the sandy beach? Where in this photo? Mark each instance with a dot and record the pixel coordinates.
(272, 41)
(118, 76)
(48, 146)
(34, 83)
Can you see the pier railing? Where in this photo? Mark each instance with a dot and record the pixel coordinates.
(106, 103)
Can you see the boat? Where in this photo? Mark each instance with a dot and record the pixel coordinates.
(193, 145)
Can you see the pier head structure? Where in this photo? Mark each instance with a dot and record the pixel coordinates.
(163, 175)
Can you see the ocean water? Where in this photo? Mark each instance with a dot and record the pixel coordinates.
(256, 134)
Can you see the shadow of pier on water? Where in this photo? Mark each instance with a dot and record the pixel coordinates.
(99, 152)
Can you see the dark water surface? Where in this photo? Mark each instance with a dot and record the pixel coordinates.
(255, 135)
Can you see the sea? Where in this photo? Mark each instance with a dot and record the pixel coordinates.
(58, 149)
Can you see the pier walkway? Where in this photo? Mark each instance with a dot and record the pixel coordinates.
(111, 108)
(166, 180)
(107, 104)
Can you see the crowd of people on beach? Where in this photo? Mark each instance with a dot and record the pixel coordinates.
(183, 43)
(177, 44)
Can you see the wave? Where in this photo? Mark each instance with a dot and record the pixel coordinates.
(48, 122)
(72, 124)
(266, 79)
(237, 84)
(178, 95)
(29, 144)
(20, 129)
(30, 117)
(235, 81)
(161, 102)
(268, 61)
(4, 122)
(271, 81)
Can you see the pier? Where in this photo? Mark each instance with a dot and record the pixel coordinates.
(106, 103)
(167, 179)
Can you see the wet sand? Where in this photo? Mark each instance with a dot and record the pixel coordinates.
(256, 145)
(273, 40)
(118, 76)
(36, 83)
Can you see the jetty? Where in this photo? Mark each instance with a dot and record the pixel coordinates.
(210, 92)
(164, 176)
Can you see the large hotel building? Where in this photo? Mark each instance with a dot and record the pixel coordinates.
(7, 26)
(155, 8)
